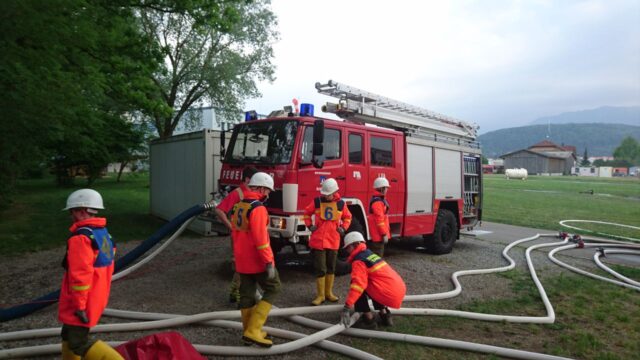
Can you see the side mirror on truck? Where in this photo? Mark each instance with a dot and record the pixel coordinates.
(222, 145)
(318, 140)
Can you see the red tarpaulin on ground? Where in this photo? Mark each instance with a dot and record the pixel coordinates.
(161, 346)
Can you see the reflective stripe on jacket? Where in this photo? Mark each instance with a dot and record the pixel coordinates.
(378, 218)
(328, 216)
(370, 273)
(251, 247)
(87, 280)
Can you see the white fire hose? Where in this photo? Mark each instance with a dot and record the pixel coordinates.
(220, 318)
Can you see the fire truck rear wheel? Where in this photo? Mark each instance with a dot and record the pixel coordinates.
(444, 235)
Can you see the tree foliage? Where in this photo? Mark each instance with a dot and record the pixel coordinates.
(585, 159)
(214, 51)
(628, 150)
(69, 70)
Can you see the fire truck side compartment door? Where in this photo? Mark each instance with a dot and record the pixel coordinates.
(419, 179)
(448, 168)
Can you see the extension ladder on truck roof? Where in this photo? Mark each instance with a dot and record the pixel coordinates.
(359, 105)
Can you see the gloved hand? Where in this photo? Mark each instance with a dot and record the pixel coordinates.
(341, 230)
(385, 239)
(271, 271)
(313, 228)
(82, 315)
(345, 316)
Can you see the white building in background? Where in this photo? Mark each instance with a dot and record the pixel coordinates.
(584, 171)
(602, 171)
(201, 118)
(605, 171)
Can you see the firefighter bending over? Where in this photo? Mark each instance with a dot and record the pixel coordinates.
(332, 219)
(254, 258)
(86, 284)
(371, 277)
(378, 217)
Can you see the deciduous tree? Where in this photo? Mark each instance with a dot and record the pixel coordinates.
(628, 150)
(215, 51)
(67, 69)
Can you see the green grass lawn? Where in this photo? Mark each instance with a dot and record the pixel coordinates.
(542, 201)
(35, 220)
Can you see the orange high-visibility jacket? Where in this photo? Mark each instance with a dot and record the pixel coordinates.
(89, 266)
(328, 216)
(251, 247)
(378, 218)
(370, 273)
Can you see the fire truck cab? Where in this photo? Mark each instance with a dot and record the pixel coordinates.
(433, 165)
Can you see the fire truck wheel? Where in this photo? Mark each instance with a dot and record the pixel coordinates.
(444, 234)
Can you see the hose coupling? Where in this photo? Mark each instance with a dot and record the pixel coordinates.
(601, 251)
(562, 235)
(208, 206)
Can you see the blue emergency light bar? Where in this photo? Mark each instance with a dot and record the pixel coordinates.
(250, 115)
(306, 109)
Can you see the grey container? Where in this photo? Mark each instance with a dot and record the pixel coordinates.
(184, 171)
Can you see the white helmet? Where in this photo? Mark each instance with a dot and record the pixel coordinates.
(380, 183)
(352, 237)
(329, 186)
(262, 179)
(84, 198)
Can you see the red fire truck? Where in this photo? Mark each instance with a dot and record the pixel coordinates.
(432, 162)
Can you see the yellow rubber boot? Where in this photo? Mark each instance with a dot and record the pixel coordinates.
(253, 332)
(100, 350)
(320, 288)
(67, 354)
(329, 288)
(246, 315)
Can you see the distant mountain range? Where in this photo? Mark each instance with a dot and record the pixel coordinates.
(605, 114)
(599, 130)
(599, 139)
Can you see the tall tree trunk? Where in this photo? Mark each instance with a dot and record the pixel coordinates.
(122, 166)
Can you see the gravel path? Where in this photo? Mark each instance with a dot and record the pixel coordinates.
(192, 276)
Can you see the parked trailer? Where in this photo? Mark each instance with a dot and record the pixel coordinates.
(432, 161)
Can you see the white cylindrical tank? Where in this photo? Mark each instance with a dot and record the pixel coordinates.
(516, 174)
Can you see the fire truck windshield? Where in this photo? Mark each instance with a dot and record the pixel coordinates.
(269, 142)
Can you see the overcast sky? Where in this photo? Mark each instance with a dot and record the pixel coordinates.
(494, 63)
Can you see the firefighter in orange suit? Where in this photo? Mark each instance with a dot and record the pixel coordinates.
(254, 258)
(371, 277)
(378, 218)
(86, 283)
(332, 219)
(223, 210)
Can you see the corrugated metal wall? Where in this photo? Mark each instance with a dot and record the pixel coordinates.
(537, 164)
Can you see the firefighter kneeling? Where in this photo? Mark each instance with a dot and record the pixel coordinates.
(254, 258)
(371, 277)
